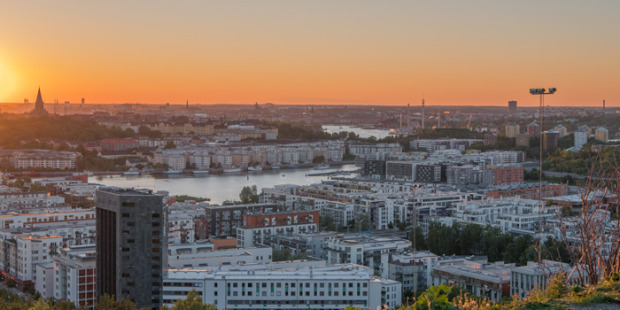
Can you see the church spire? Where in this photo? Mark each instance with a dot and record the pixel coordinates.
(39, 98)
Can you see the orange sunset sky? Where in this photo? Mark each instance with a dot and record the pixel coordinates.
(311, 52)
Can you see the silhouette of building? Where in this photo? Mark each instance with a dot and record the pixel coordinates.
(39, 108)
(512, 106)
(130, 244)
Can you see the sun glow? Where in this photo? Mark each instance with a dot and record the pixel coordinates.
(7, 82)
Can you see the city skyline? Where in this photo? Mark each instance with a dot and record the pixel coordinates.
(448, 52)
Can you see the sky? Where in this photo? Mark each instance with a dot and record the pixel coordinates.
(311, 52)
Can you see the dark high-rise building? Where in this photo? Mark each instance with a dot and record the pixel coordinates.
(512, 106)
(375, 169)
(131, 247)
(551, 139)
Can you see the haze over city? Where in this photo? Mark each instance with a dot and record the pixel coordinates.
(319, 52)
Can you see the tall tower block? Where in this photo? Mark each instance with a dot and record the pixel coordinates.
(131, 246)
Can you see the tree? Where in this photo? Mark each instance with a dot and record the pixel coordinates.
(249, 194)
(417, 239)
(326, 222)
(169, 145)
(596, 231)
(193, 301)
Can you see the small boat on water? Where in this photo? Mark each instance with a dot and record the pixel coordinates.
(231, 170)
(171, 171)
(131, 172)
(255, 168)
(275, 167)
(322, 167)
(200, 172)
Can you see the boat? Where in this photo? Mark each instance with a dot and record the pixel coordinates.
(275, 167)
(322, 167)
(231, 170)
(255, 168)
(131, 172)
(200, 172)
(171, 171)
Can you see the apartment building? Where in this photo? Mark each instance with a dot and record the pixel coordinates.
(311, 285)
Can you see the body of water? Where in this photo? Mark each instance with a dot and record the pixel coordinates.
(363, 133)
(219, 187)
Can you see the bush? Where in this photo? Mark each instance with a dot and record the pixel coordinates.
(11, 283)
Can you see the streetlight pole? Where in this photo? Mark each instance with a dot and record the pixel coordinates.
(541, 114)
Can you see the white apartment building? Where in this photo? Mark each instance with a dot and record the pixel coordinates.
(581, 137)
(20, 220)
(174, 161)
(255, 236)
(362, 249)
(180, 226)
(371, 151)
(490, 280)
(284, 286)
(413, 270)
(253, 255)
(43, 159)
(75, 276)
(525, 278)
(509, 214)
(22, 201)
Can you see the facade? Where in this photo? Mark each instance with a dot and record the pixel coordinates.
(75, 276)
(512, 106)
(374, 151)
(512, 130)
(294, 285)
(561, 130)
(255, 236)
(433, 145)
(131, 248)
(601, 134)
(551, 139)
(40, 159)
(22, 202)
(581, 137)
(490, 280)
(413, 270)
(224, 220)
(428, 173)
(374, 169)
(118, 145)
(400, 170)
(490, 139)
(525, 278)
(527, 191)
(533, 130)
(504, 174)
(523, 139)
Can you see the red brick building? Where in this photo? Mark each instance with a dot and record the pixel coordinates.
(504, 174)
(528, 191)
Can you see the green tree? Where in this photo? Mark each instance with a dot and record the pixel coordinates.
(193, 301)
(169, 145)
(327, 223)
(249, 194)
